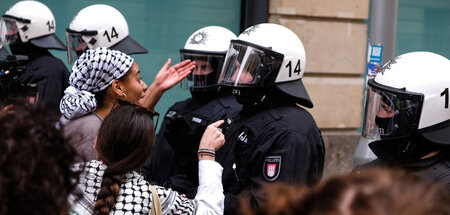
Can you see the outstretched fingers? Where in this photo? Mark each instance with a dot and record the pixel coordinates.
(181, 64)
(167, 64)
(182, 72)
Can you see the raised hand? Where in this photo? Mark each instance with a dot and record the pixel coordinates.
(168, 76)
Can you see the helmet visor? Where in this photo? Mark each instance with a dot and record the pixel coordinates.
(390, 112)
(248, 65)
(9, 32)
(77, 43)
(206, 72)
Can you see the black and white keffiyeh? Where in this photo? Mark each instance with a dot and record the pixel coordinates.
(94, 71)
(135, 196)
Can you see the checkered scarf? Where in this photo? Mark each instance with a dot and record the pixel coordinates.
(94, 71)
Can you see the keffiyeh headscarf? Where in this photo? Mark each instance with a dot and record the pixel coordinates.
(94, 71)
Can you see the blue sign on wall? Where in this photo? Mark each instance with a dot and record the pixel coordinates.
(376, 53)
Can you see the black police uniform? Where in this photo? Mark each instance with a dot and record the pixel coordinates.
(47, 72)
(406, 153)
(281, 143)
(435, 168)
(52, 78)
(174, 162)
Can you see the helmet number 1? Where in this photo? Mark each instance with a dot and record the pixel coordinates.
(113, 34)
(445, 93)
(296, 69)
(51, 25)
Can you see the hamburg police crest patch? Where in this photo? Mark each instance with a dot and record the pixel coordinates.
(271, 167)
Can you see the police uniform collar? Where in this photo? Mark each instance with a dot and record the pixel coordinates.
(427, 161)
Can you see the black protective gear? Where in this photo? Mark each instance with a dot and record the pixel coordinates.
(47, 72)
(184, 137)
(174, 162)
(403, 150)
(435, 168)
(281, 143)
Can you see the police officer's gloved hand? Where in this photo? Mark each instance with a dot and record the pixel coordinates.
(184, 138)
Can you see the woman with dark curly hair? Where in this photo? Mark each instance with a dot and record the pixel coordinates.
(371, 192)
(35, 163)
(114, 184)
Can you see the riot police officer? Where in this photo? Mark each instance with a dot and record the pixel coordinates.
(174, 160)
(407, 112)
(273, 138)
(28, 27)
(96, 26)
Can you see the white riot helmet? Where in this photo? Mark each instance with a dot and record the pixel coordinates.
(265, 55)
(31, 21)
(207, 47)
(409, 96)
(96, 26)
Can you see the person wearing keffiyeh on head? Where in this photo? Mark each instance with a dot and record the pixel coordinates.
(115, 186)
(100, 80)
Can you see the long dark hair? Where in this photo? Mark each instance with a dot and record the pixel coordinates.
(124, 142)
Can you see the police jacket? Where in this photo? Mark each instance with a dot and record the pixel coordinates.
(51, 77)
(174, 162)
(435, 168)
(281, 143)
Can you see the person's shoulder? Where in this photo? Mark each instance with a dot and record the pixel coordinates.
(47, 64)
(48, 60)
(293, 116)
(440, 171)
(181, 104)
(86, 122)
(91, 117)
(289, 110)
(89, 167)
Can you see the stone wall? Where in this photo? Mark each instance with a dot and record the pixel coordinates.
(334, 34)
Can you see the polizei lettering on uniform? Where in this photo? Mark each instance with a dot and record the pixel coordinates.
(271, 167)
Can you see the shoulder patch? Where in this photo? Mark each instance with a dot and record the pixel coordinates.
(271, 167)
(197, 120)
(171, 113)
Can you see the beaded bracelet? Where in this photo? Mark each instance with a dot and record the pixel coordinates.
(208, 152)
(205, 154)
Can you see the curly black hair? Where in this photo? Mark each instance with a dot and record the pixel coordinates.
(35, 163)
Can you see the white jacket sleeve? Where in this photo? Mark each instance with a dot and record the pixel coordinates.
(210, 197)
